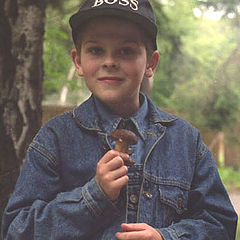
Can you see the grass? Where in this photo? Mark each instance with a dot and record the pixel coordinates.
(238, 231)
(231, 180)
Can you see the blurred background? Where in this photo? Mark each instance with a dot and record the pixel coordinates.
(198, 78)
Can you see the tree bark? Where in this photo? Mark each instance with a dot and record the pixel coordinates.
(21, 75)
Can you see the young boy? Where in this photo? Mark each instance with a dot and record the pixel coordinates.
(73, 185)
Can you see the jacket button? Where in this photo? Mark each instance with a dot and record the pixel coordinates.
(130, 151)
(133, 198)
(147, 195)
(180, 202)
(105, 148)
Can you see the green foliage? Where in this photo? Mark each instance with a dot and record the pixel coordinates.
(56, 4)
(57, 60)
(229, 6)
(175, 20)
(57, 47)
(230, 178)
(238, 230)
(198, 74)
(208, 76)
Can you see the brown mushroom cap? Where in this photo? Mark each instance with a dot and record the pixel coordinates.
(125, 135)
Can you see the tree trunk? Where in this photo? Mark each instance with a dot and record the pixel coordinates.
(64, 91)
(21, 75)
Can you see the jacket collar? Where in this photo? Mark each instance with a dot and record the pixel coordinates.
(159, 116)
(86, 115)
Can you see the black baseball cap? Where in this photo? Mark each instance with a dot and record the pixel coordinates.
(136, 11)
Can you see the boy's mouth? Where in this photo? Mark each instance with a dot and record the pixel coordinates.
(110, 79)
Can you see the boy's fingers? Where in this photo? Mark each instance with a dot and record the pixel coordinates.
(120, 172)
(121, 181)
(112, 154)
(138, 231)
(116, 163)
(113, 176)
(129, 236)
(124, 156)
(133, 226)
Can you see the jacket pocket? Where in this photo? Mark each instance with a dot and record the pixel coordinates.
(173, 204)
(166, 202)
(174, 197)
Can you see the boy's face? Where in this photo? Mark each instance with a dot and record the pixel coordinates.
(113, 61)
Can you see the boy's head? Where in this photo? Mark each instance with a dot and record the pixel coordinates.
(139, 12)
(112, 50)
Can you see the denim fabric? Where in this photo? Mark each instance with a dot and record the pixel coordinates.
(133, 189)
(57, 196)
(137, 123)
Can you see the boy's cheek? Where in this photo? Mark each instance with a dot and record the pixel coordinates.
(88, 68)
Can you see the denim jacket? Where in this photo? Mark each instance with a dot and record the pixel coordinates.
(57, 196)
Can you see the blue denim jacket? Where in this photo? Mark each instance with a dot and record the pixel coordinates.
(57, 196)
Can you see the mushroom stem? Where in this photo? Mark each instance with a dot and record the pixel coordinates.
(121, 146)
(123, 139)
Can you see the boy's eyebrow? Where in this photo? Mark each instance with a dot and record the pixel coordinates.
(95, 41)
(132, 41)
(89, 41)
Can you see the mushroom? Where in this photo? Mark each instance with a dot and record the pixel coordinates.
(123, 139)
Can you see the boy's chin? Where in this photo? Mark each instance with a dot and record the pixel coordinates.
(116, 97)
(111, 100)
(121, 105)
(109, 96)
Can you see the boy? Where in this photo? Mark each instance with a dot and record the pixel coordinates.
(74, 186)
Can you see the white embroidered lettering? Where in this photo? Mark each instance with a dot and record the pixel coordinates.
(110, 1)
(134, 5)
(98, 3)
(123, 2)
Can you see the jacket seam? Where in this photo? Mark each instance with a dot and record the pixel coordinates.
(83, 126)
(167, 182)
(93, 209)
(42, 150)
(201, 154)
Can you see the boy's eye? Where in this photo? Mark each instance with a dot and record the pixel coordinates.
(95, 50)
(127, 51)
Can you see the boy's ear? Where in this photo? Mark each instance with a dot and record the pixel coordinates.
(76, 61)
(152, 64)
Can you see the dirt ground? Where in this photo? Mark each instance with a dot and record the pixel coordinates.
(235, 198)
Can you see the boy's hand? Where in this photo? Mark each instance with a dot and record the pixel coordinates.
(111, 173)
(138, 231)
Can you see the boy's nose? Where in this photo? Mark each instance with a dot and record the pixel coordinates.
(110, 62)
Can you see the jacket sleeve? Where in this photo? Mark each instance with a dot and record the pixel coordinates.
(39, 209)
(210, 214)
